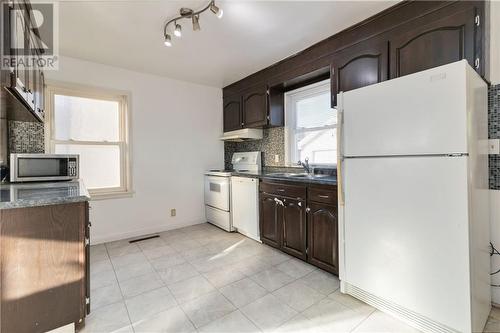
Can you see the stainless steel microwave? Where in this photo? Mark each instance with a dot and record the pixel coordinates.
(43, 167)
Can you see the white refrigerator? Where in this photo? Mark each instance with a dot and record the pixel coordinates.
(414, 205)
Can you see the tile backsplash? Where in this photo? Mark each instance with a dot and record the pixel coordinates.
(26, 137)
(494, 133)
(272, 144)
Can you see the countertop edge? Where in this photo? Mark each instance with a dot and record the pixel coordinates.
(318, 181)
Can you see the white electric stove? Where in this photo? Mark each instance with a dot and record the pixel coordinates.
(218, 188)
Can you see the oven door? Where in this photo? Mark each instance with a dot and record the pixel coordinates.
(217, 192)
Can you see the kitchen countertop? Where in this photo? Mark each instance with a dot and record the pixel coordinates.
(20, 195)
(268, 174)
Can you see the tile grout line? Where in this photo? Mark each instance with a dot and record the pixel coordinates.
(121, 291)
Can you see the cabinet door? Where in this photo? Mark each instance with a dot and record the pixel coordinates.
(18, 40)
(294, 228)
(42, 256)
(255, 107)
(323, 237)
(40, 95)
(232, 113)
(431, 42)
(357, 66)
(86, 296)
(270, 220)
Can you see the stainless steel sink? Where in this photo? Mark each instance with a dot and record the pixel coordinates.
(296, 175)
(284, 174)
(309, 176)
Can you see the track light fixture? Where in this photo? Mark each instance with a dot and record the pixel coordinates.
(187, 13)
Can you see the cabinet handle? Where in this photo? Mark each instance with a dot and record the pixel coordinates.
(323, 196)
(280, 190)
(299, 204)
(308, 210)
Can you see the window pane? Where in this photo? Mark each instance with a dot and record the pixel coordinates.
(99, 165)
(86, 119)
(315, 111)
(319, 146)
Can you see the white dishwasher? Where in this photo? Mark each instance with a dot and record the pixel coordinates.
(245, 206)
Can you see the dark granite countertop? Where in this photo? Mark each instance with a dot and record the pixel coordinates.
(19, 195)
(268, 174)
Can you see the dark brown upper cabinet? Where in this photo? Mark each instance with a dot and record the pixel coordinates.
(430, 42)
(25, 83)
(410, 36)
(232, 113)
(255, 107)
(357, 66)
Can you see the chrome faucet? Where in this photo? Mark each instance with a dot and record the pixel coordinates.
(305, 165)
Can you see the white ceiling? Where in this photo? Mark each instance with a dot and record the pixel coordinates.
(251, 36)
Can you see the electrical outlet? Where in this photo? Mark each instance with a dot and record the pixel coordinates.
(276, 158)
(173, 212)
(494, 146)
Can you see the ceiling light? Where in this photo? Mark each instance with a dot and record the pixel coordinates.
(178, 30)
(188, 13)
(216, 10)
(168, 40)
(196, 24)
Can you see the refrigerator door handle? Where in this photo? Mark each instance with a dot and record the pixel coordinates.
(340, 143)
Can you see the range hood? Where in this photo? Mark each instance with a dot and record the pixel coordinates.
(245, 134)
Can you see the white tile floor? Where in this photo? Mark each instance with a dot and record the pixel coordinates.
(202, 279)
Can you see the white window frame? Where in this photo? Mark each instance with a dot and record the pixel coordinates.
(123, 98)
(291, 156)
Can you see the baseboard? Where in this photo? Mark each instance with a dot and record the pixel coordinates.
(409, 317)
(95, 239)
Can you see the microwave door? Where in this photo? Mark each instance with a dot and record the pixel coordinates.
(43, 167)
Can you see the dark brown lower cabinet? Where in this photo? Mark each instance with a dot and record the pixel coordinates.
(294, 228)
(322, 232)
(270, 215)
(43, 267)
(301, 220)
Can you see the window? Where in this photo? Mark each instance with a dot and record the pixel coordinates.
(310, 125)
(93, 124)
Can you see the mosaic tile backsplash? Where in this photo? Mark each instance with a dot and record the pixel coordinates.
(272, 143)
(494, 133)
(26, 137)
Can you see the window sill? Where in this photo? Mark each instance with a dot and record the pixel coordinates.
(97, 196)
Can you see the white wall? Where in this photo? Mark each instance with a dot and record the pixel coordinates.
(175, 128)
(495, 195)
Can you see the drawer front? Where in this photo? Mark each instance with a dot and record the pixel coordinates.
(323, 195)
(285, 190)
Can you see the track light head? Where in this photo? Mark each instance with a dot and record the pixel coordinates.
(178, 30)
(168, 40)
(196, 23)
(216, 10)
